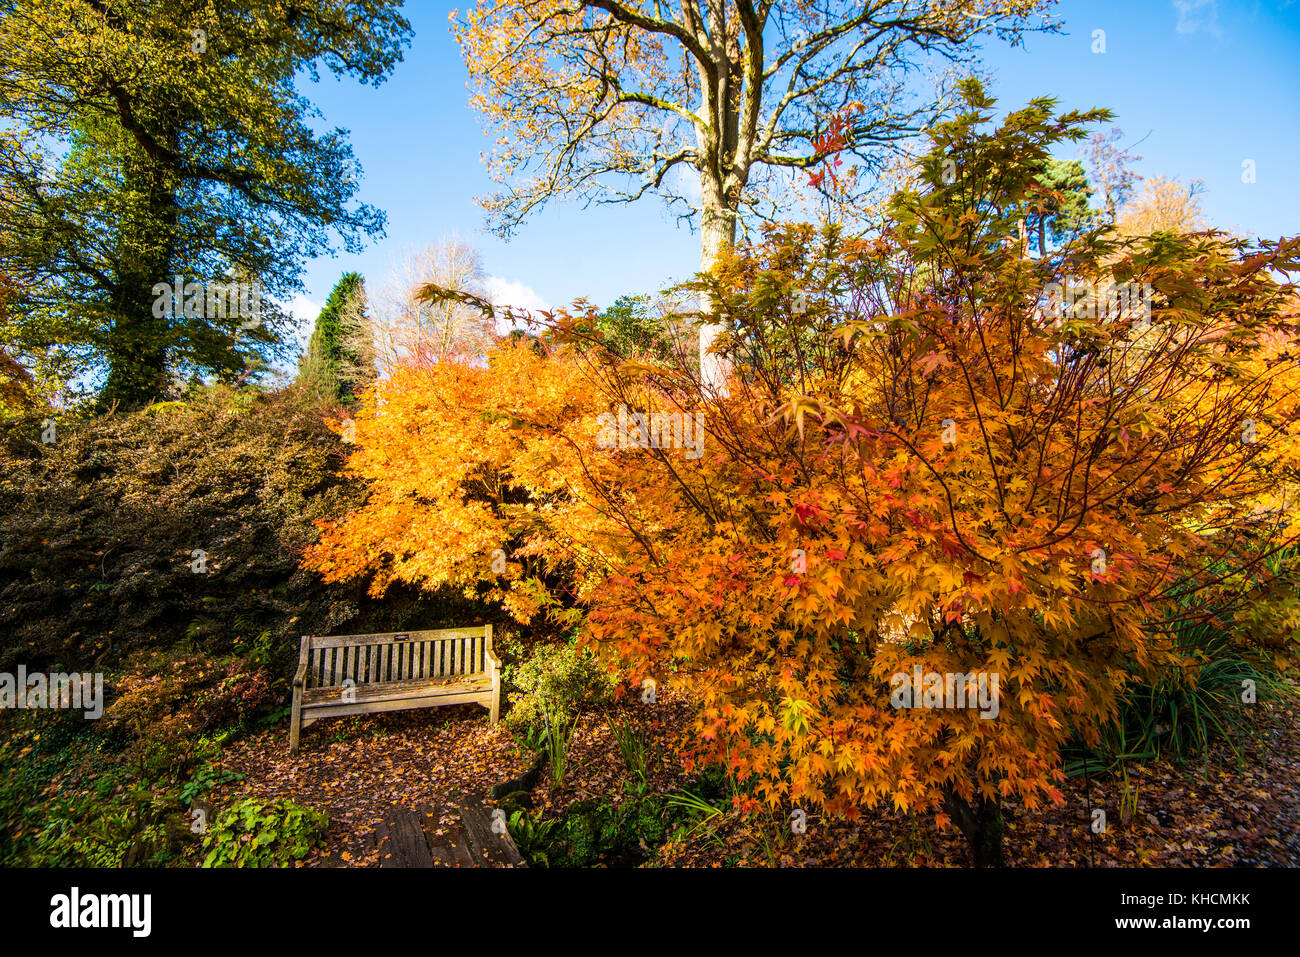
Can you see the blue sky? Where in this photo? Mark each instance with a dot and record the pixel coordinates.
(1203, 84)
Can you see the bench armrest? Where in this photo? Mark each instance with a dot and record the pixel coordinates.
(300, 675)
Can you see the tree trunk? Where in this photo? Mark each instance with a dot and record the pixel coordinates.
(982, 826)
(136, 343)
(136, 350)
(718, 233)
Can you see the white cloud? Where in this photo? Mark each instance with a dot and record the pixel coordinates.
(1194, 15)
(304, 312)
(507, 292)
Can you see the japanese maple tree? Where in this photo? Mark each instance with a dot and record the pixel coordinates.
(936, 454)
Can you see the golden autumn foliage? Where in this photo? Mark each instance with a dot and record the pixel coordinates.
(616, 100)
(923, 463)
(1163, 204)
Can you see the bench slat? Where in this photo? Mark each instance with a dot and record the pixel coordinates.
(394, 690)
(310, 715)
(437, 634)
(369, 664)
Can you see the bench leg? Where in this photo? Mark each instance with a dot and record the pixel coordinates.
(295, 721)
(496, 698)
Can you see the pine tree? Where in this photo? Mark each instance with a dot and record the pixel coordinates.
(339, 360)
(1068, 212)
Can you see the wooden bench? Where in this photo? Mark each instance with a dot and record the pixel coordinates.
(365, 674)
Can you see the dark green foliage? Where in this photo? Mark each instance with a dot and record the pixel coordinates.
(628, 328)
(336, 366)
(98, 532)
(596, 831)
(1067, 212)
(1181, 715)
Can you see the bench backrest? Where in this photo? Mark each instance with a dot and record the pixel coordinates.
(401, 656)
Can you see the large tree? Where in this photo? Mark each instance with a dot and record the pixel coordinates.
(146, 139)
(1163, 205)
(609, 100)
(1110, 170)
(412, 329)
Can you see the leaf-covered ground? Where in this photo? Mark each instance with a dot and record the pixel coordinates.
(1215, 813)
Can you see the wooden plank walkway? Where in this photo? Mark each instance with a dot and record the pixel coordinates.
(457, 832)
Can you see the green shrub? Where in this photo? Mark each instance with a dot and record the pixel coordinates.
(253, 833)
(98, 531)
(595, 831)
(553, 685)
(81, 805)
